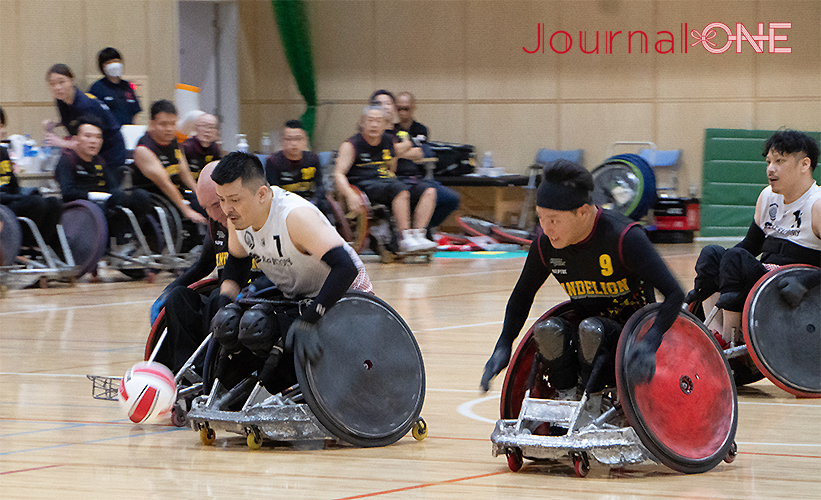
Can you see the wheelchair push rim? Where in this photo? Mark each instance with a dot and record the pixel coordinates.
(687, 415)
(369, 385)
(785, 343)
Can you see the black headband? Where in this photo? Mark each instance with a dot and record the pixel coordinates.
(560, 196)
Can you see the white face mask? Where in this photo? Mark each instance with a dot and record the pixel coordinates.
(114, 70)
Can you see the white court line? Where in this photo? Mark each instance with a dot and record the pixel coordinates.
(466, 409)
(438, 276)
(456, 327)
(68, 308)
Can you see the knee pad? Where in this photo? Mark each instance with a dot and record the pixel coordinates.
(550, 336)
(591, 333)
(225, 326)
(257, 330)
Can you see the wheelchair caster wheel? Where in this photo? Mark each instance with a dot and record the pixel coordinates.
(207, 436)
(420, 429)
(731, 454)
(254, 440)
(515, 459)
(581, 464)
(178, 416)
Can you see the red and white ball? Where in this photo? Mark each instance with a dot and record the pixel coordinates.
(147, 391)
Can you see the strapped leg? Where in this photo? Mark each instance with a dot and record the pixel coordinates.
(554, 337)
(597, 341)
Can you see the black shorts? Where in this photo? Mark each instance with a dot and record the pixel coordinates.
(383, 191)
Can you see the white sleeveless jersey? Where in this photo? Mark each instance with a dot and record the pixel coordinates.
(791, 222)
(295, 274)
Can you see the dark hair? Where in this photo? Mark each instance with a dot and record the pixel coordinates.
(239, 165)
(566, 185)
(163, 106)
(74, 125)
(379, 93)
(2, 117)
(294, 124)
(60, 69)
(106, 55)
(792, 141)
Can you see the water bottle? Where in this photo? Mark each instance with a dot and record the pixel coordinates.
(266, 144)
(242, 144)
(487, 161)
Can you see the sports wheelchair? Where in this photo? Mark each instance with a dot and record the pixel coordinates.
(685, 417)
(781, 342)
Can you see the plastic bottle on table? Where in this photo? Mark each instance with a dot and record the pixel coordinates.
(242, 143)
(266, 144)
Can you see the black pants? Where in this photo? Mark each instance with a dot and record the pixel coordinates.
(188, 316)
(45, 212)
(732, 272)
(136, 200)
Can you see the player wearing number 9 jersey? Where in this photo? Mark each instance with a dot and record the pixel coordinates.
(606, 265)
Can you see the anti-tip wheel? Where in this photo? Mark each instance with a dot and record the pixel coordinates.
(731, 454)
(178, 416)
(254, 440)
(420, 429)
(581, 464)
(207, 436)
(515, 459)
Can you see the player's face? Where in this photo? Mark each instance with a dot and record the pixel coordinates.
(206, 128)
(562, 227)
(238, 203)
(784, 171)
(387, 106)
(294, 142)
(405, 108)
(373, 124)
(89, 141)
(61, 86)
(164, 128)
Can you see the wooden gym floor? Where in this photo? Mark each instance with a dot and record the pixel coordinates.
(58, 442)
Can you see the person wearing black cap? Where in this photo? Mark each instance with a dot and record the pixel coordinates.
(118, 94)
(607, 266)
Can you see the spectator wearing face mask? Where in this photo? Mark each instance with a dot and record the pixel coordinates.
(112, 90)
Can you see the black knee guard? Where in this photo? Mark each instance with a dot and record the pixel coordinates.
(553, 337)
(591, 333)
(225, 326)
(257, 330)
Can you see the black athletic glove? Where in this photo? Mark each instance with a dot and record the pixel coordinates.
(793, 288)
(692, 296)
(642, 363)
(497, 362)
(267, 373)
(303, 339)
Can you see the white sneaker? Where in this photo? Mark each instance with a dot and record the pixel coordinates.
(409, 242)
(422, 240)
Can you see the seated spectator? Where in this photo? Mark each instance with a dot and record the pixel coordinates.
(112, 90)
(447, 200)
(368, 161)
(44, 211)
(83, 175)
(161, 167)
(72, 104)
(201, 148)
(296, 169)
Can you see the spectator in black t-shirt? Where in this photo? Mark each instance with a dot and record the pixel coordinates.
(112, 90)
(294, 168)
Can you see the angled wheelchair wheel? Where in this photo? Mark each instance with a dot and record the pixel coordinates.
(172, 217)
(521, 364)
(785, 342)
(369, 385)
(11, 236)
(87, 234)
(687, 414)
(204, 287)
(625, 183)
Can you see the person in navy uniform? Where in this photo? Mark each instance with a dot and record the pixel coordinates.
(161, 167)
(112, 90)
(73, 104)
(607, 266)
(201, 148)
(83, 175)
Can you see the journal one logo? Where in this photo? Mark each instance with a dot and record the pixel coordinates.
(715, 38)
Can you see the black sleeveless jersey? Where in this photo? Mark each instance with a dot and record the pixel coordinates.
(199, 156)
(371, 162)
(169, 156)
(8, 180)
(300, 176)
(593, 273)
(77, 177)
